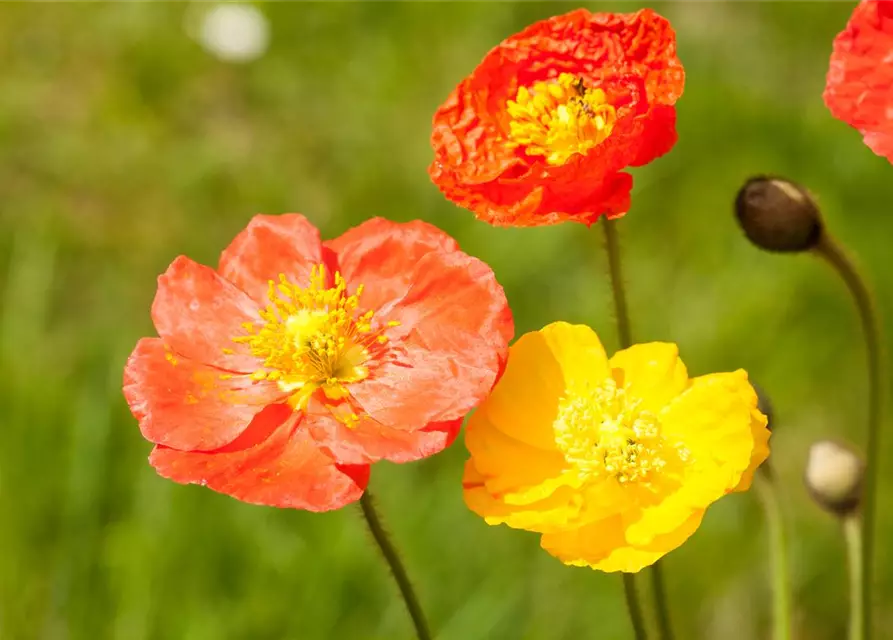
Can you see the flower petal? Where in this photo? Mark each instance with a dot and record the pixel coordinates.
(715, 419)
(452, 341)
(197, 314)
(384, 255)
(369, 441)
(652, 372)
(284, 470)
(186, 405)
(269, 246)
(860, 74)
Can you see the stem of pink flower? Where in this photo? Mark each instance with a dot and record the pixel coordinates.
(835, 255)
(397, 570)
(624, 334)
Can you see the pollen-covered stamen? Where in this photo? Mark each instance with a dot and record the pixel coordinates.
(313, 337)
(559, 118)
(602, 431)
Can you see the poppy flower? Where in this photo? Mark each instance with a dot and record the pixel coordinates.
(279, 377)
(543, 128)
(859, 87)
(613, 461)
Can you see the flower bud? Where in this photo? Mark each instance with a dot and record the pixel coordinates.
(778, 215)
(834, 476)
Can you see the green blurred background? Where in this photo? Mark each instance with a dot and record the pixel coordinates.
(124, 143)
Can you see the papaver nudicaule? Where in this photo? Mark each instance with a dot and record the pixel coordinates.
(613, 461)
(278, 377)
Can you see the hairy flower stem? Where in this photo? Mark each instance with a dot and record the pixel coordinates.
(767, 491)
(853, 534)
(831, 251)
(624, 334)
(397, 569)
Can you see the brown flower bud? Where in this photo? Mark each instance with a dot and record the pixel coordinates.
(834, 475)
(778, 215)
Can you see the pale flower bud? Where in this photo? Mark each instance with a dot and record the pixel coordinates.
(834, 476)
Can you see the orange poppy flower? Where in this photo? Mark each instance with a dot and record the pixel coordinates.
(279, 377)
(859, 87)
(543, 128)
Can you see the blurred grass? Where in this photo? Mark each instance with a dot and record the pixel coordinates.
(124, 144)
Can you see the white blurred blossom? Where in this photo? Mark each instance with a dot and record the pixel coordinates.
(232, 32)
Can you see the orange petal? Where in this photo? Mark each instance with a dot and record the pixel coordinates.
(197, 314)
(284, 470)
(185, 405)
(271, 245)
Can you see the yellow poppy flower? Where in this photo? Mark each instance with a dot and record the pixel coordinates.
(613, 461)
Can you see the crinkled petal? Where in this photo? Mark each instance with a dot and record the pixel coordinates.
(368, 441)
(455, 325)
(859, 86)
(284, 469)
(383, 256)
(186, 405)
(286, 244)
(198, 313)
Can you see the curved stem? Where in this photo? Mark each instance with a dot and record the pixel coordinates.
(399, 572)
(778, 553)
(632, 604)
(624, 335)
(852, 533)
(831, 251)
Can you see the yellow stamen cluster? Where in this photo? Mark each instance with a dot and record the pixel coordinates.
(312, 337)
(603, 432)
(559, 118)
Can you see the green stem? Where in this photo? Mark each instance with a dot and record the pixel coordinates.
(397, 569)
(624, 334)
(659, 593)
(853, 534)
(831, 251)
(612, 244)
(632, 604)
(778, 554)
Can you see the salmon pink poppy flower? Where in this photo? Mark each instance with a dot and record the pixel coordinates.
(543, 128)
(859, 88)
(280, 376)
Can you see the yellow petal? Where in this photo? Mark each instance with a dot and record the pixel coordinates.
(633, 559)
(651, 372)
(760, 431)
(555, 513)
(540, 366)
(713, 418)
(508, 464)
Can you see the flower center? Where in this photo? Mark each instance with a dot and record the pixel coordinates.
(558, 118)
(312, 337)
(602, 432)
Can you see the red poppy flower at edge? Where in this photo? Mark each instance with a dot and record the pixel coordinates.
(542, 129)
(859, 87)
(279, 377)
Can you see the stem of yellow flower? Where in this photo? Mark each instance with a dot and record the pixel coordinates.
(624, 334)
(831, 251)
(852, 533)
(632, 604)
(399, 572)
(778, 553)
